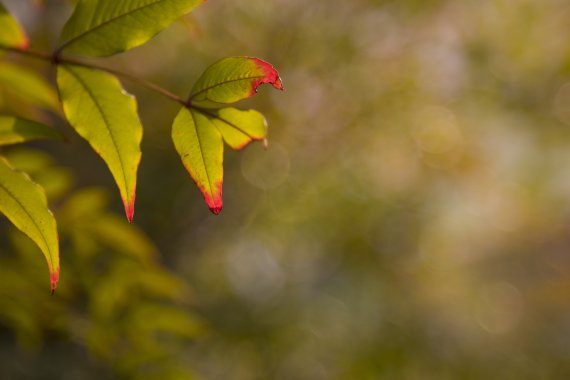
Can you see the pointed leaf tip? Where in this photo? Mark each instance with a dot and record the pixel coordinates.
(54, 279)
(24, 203)
(130, 207)
(214, 203)
(105, 115)
(200, 146)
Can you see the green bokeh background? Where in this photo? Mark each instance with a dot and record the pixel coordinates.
(410, 219)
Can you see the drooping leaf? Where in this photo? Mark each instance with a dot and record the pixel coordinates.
(11, 34)
(238, 127)
(24, 204)
(106, 27)
(15, 130)
(232, 79)
(28, 85)
(106, 116)
(200, 146)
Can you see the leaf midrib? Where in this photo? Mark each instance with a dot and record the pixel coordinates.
(91, 95)
(211, 187)
(81, 35)
(222, 83)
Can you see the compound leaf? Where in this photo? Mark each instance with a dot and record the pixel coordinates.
(11, 34)
(106, 27)
(106, 116)
(14, 130)
(24, 204)
(201, 148)
(232, 79)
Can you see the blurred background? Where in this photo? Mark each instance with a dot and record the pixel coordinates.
(410, 219)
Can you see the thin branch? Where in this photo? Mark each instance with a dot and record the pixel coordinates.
(59, 59)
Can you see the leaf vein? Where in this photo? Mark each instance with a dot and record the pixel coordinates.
(34, 222)
(72, 40)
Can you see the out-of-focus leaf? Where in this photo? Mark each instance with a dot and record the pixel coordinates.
(11, 34)
(25, 205)
(28, 160)
(116, 233)
(105, 27)
(106, 116)
(238, 127)
(232, 79)
(15, 130)
(159, 318)
(85, 203)
(28, 86)
(201, 148)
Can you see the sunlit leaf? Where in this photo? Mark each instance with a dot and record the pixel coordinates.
(106, 116)
(232, 79)
(11, 34)
(15, 130)
(25, 205)
(28, 85)
(238, 127)
(105, 27)
(200, 145)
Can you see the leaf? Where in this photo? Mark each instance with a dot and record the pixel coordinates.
(238, 127)
(11, 34)
(24, 204)
(200, 145)
(28, 85)
(232, 79)
(106, 27)
(15, 130)
(106, 116)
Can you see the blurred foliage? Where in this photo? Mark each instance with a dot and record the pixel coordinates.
(408, 221)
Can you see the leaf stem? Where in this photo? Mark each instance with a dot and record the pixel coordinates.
(57, 58)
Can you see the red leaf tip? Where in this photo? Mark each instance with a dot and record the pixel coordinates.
(54, 278)
(270, 75)
(214, 201)
(130, 208)
(216, 209)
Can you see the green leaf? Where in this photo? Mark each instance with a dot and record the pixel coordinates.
(28, 86)
(200, 145)
(15, 130)
(238, 127)
(106, 27)
(106, 116)
(232, 79)
(24, 204)
(11, 34)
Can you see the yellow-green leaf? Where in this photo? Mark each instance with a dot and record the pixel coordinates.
(28, 86)
(106, 116)
(24, 204)
(14, 130)
(238, 127)
(201, 148)
(232, 79)
(11, 34)
(105, 27)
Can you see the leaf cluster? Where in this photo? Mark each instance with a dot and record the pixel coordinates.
(94, 103)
